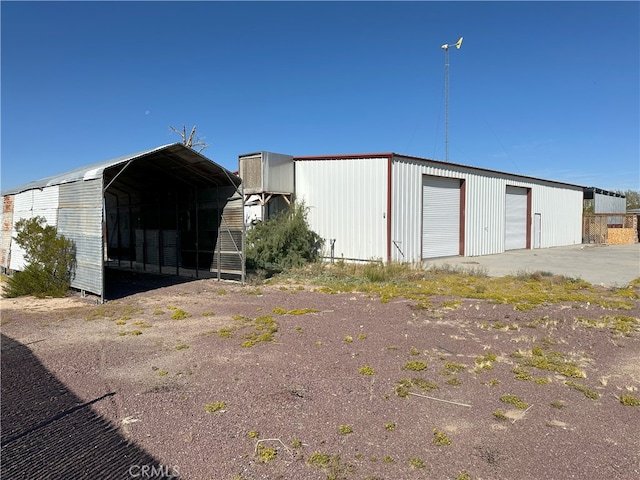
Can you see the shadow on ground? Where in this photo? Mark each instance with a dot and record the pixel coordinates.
(120, 283)
(48, 432)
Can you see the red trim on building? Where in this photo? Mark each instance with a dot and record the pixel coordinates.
(389, 204)
(346, 157)
(463, 196)
(529, 218)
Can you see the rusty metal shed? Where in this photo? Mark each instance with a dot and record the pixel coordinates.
(166, 210)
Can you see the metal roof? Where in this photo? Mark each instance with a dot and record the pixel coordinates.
(176, 161)
(590, 191)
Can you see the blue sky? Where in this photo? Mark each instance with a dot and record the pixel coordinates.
(546, 89)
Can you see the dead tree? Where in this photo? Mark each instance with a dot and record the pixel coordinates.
(191, 141)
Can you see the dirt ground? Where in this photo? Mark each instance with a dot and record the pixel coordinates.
(347, 387)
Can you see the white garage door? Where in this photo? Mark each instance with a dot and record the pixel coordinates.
(515, 232)
(440, 216)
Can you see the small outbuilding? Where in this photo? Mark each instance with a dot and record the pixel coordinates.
(165, 210)
(606, 219)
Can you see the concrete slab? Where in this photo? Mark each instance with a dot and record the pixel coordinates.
(610, 265)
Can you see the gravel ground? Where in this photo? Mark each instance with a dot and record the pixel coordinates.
(121, 390)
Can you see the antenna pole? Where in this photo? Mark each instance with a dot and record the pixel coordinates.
(446, 103)
(445, 47)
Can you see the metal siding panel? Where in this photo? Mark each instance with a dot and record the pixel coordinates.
(80, 219)
(406, 191)
(484, 215)
(169, 248)
(152, 239)
(278, 172)
(45, 204)
(559, 226)
(560, 208)
(406, 216)
(515, 228)
(609, 204)
(440, 216)
(27, 205)
(23, 201)
(347, 201)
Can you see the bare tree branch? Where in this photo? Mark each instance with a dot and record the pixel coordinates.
(189, 142)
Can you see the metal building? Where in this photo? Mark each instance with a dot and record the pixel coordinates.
(601, 225)
(603, 201)
(166, 210)
(392, 207)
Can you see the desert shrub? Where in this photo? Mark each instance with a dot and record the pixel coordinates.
(284, 241)
(50, 260)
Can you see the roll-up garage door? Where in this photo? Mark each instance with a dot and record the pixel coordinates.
(515, 232)
(440, 216)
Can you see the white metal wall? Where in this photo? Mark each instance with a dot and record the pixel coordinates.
(560, 212)
(347, 200)
(29, 204)
(560, 207)
(406, 206)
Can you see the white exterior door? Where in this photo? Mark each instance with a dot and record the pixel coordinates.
(537, 230)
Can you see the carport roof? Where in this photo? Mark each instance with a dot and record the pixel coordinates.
(185, 163)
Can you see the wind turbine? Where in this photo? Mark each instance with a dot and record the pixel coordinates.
(445, 47)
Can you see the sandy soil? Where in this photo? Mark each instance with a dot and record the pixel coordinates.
(147, 379)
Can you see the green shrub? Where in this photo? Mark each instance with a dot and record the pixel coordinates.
(284, 241)
(50, 261)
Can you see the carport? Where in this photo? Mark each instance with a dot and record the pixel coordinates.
(167, 210)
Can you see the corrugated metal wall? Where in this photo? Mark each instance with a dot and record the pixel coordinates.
(608, 204)
(29, 204)
(278, 172)
(80, 219)
(560, 208)
(347, 201)
(406, 195)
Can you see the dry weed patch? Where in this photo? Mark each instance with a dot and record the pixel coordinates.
(551, 361)
(524, 290)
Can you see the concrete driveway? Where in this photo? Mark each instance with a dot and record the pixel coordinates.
(611, 265)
